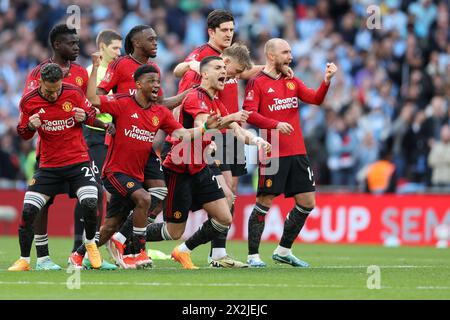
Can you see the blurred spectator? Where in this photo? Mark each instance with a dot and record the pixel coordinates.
(342, 148)
(392, 82)
(381, 177)
(439, 159)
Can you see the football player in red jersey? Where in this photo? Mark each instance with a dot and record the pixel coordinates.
(56, 111)
(65, 46)
(274, 100)
(140, 46)
(220, 25)
(138, 117)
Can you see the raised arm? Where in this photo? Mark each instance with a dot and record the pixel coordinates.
(91, 92)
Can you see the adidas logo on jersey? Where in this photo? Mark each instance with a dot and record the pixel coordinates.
(135, 116)
(42, 110)
(270, 90)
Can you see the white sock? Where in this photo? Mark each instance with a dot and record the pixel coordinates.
(218, 253)
(182, 247)
(254, 257)
(282, 251)
(41, 259)
(89, 241)
(120, 237)
(86, 255)
(27, 259)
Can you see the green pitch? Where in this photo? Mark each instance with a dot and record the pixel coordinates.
(336, 272)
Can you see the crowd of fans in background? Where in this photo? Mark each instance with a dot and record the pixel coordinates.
(390, 96)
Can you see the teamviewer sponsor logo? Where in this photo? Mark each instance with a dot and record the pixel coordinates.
(58, 125)
(282, 104)
(140, 134)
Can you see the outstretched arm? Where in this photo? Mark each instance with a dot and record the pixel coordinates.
(249, 138)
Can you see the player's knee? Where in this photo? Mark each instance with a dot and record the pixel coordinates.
(89, 204)
(176, 234)
(225, 220)
(32, 204)
(143, 202)
(88, 197)
(29, 212)
(309, 203)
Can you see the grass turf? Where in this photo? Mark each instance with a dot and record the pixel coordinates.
(336, 272)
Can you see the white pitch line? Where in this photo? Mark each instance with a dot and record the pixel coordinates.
(189, 284)
(285, 266)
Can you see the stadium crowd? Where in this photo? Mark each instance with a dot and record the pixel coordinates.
(390, 96)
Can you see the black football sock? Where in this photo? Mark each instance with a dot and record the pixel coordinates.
(293, 225)
(208, 231)
(256, 224)
(41, 243)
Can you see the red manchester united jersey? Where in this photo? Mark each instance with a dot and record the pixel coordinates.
(277, 100)
(196, 102)
(62, 141)
(119, 76)
(76, 75)
(201, 52)
(135, 130)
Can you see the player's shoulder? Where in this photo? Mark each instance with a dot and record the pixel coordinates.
(70, 89)
(78, 67)
(260, 77)
(121, 96)
(114, 65)
(29, 96)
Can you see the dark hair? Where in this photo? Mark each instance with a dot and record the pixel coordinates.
(146, 68)
(58, 31)
(51, 72)
(217, 17)
(129, 37)
(107, 36)
(206, 60)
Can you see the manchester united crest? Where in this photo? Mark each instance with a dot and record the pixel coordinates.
(67, 106)
(177, 214)
(155, 121)
(268, 183)
(79, 81)
(130, 185)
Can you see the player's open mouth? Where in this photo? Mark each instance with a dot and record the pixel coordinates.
(222, 80)
(155, 92)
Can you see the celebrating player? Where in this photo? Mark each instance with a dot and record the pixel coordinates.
(138, 117)
(192, 185)
(64, 43)
(273, 100)
(56, 111)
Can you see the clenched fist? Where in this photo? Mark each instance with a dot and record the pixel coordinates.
(329, 72)
(35, 122)
(80, 114)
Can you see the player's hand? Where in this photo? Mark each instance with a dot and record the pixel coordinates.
(96, 59)
(240, 116)
(35, 122)
(213, 121)
(211, 148)
(262, 144)
(285, 127)
(288, 72)
(329, 72)
(194, 66)
(80, 114)
(110, 128)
